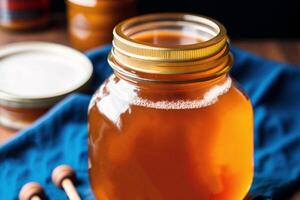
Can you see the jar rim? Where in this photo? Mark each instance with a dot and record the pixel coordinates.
(210, 58)
(157, 52)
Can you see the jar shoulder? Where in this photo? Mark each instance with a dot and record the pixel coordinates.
(115, 97)
(241, 95)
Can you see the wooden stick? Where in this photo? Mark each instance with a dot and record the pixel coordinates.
(71, 191)
(35, 198)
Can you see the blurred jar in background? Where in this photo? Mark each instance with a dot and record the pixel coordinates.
(23, 14)
(91, 21)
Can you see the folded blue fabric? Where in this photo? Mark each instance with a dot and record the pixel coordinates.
(60, 136)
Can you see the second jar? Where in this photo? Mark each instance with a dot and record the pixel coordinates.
(23, 15)
(92, 21)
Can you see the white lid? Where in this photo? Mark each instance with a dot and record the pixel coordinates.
(40, 74)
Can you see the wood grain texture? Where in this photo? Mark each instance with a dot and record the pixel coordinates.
(5, 134)
(285, 51)
(55, 31)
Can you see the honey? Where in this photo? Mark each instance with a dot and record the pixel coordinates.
(175, 127)
(92, 21)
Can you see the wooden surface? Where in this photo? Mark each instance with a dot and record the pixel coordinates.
(287, 51)
(53, 32)
(5, 134)
(282, 51)
(279, 50)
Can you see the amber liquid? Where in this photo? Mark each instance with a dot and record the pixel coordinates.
(144, 153)
(91, 26)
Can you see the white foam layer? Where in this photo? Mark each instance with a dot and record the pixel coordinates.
(209, 98)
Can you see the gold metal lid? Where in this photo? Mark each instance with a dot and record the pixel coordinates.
(176, 59)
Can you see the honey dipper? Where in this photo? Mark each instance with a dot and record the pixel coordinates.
(31, 191)
(63, 176)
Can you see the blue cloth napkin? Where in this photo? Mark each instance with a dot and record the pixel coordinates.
(60, 136)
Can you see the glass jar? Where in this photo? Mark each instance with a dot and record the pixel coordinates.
(92, 21)
(170, 123)
(23, 15)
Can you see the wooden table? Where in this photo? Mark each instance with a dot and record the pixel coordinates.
(287, 51)
(279, 50)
